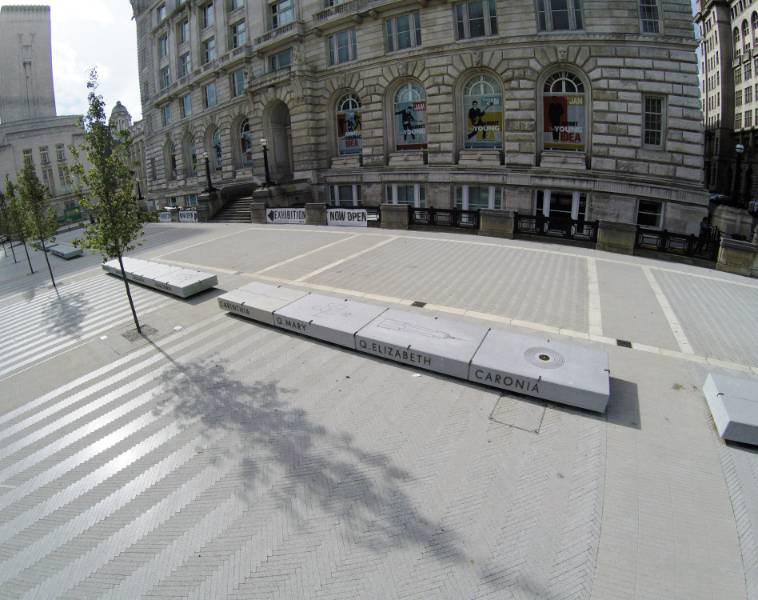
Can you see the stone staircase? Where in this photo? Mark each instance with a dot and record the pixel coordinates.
(235, 211)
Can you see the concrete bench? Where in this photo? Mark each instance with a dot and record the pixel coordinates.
(733, 402)
(65, 251)
(167, 278)
(567, 373)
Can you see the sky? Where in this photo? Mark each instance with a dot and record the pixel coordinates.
(92, 33)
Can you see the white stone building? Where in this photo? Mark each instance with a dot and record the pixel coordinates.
(30, 130)
(568, 108)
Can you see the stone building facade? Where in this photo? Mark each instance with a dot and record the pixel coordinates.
(575, 109)
(30, 130)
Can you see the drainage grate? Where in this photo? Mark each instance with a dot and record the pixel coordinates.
(419, 304)
(624, 343)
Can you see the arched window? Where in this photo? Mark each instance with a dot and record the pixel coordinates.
(410, 117)
(216, 153)
(246, 143)
(483, 113)
(746, 34)
(564, 113)
(170, 160)
(736, 34)
(349, 125)
(190, 157)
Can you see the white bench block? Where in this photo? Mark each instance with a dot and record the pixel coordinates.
(441, 345)
(168, 278)
(258, 301)
(65, 251)
(734, 405)
(330, 319)
(566, 373)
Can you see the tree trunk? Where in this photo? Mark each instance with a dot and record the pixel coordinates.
(13, 252)
(31, 269)
(129, 294)
(47, 260)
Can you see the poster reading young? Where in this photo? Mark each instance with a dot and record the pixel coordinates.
(410, 125)
(349, 132)
(564, 122)
(484, 121)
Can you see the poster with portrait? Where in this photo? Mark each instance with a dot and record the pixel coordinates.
(564, 123)
(484, 122)
(349, 132)
(410, 125)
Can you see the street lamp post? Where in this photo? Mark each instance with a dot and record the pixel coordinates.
(739, 149)
(264, 144)
(208, 184)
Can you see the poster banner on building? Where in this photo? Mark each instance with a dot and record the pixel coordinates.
(188, 216)
(347, 217)
(484, 122)
(289, 216)
(563, 123)
(164, 217)
(349, 132)
(410, 125)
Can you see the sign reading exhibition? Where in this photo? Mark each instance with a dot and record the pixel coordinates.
(347, 217)
(281, 216)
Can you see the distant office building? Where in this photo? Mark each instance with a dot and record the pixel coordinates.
(729, 98)
(573, 110)
(30, 130)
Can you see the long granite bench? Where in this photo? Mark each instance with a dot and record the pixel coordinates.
(167, 278)
(66, 251)
(733, 402)
(567, 373)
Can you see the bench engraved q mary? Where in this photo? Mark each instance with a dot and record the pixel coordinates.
(567, 373)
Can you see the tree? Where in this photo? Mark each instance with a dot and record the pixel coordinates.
(106, 187)
(15, 212)
(5, 227)
(39, 217)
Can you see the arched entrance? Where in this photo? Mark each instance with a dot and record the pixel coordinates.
(280, 141)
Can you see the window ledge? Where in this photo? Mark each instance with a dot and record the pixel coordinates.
(349, 161)
(477, 158)
(408, 157)
(564, 159)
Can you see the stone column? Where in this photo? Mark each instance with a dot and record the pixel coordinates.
(394, 216)
(258, 212)
(496, 223)
(736, 256)
(315, 214)
(616, 237)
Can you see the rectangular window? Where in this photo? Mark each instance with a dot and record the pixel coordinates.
(748, 119)
(738, 98)
(186, 106)
(44, 156)
(748, 70)
(475, 18)
(163, 46)
(183, 31)
(63, 176)
(342, 47)
(649, 16)
(345, 195)
(209, 50)
(402, 31)
(237, 34)
(475, 197)
(190, 201)
(185, 64)
(166, 115)
(559, 15)
(60, 152)
(737, 75)
(160, 13)
(207, 15)
(650, 214)
(209, 95)
(738, 121)
(235, 4)
(748, 95)
(28, 157)
(654, 120)
(282, 13)
(165, 77)
(413, 194)
(238, 83)
(280, 60)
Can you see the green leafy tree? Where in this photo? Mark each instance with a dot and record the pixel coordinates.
(15, 212)
(39, 217)
(5, 228)
(106, 187)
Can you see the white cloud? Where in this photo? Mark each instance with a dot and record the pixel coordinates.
(87, 34)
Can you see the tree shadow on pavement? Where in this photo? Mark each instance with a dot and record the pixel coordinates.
(65, 313)
(360, 488)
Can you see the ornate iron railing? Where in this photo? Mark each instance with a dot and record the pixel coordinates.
(444, 217)
(573, 229)
(705, 246)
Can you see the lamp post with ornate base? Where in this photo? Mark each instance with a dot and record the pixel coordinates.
(209, 189)
(264, 144)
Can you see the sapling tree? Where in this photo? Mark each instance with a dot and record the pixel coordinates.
(5, 228)
(38, 216)
(15, 212)
(106, 187)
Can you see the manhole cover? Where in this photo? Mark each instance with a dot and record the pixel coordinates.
(544, 358)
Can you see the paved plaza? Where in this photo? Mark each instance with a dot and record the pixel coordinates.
(219, 458)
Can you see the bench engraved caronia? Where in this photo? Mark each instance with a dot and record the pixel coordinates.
(234, 307)
(528, 386)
